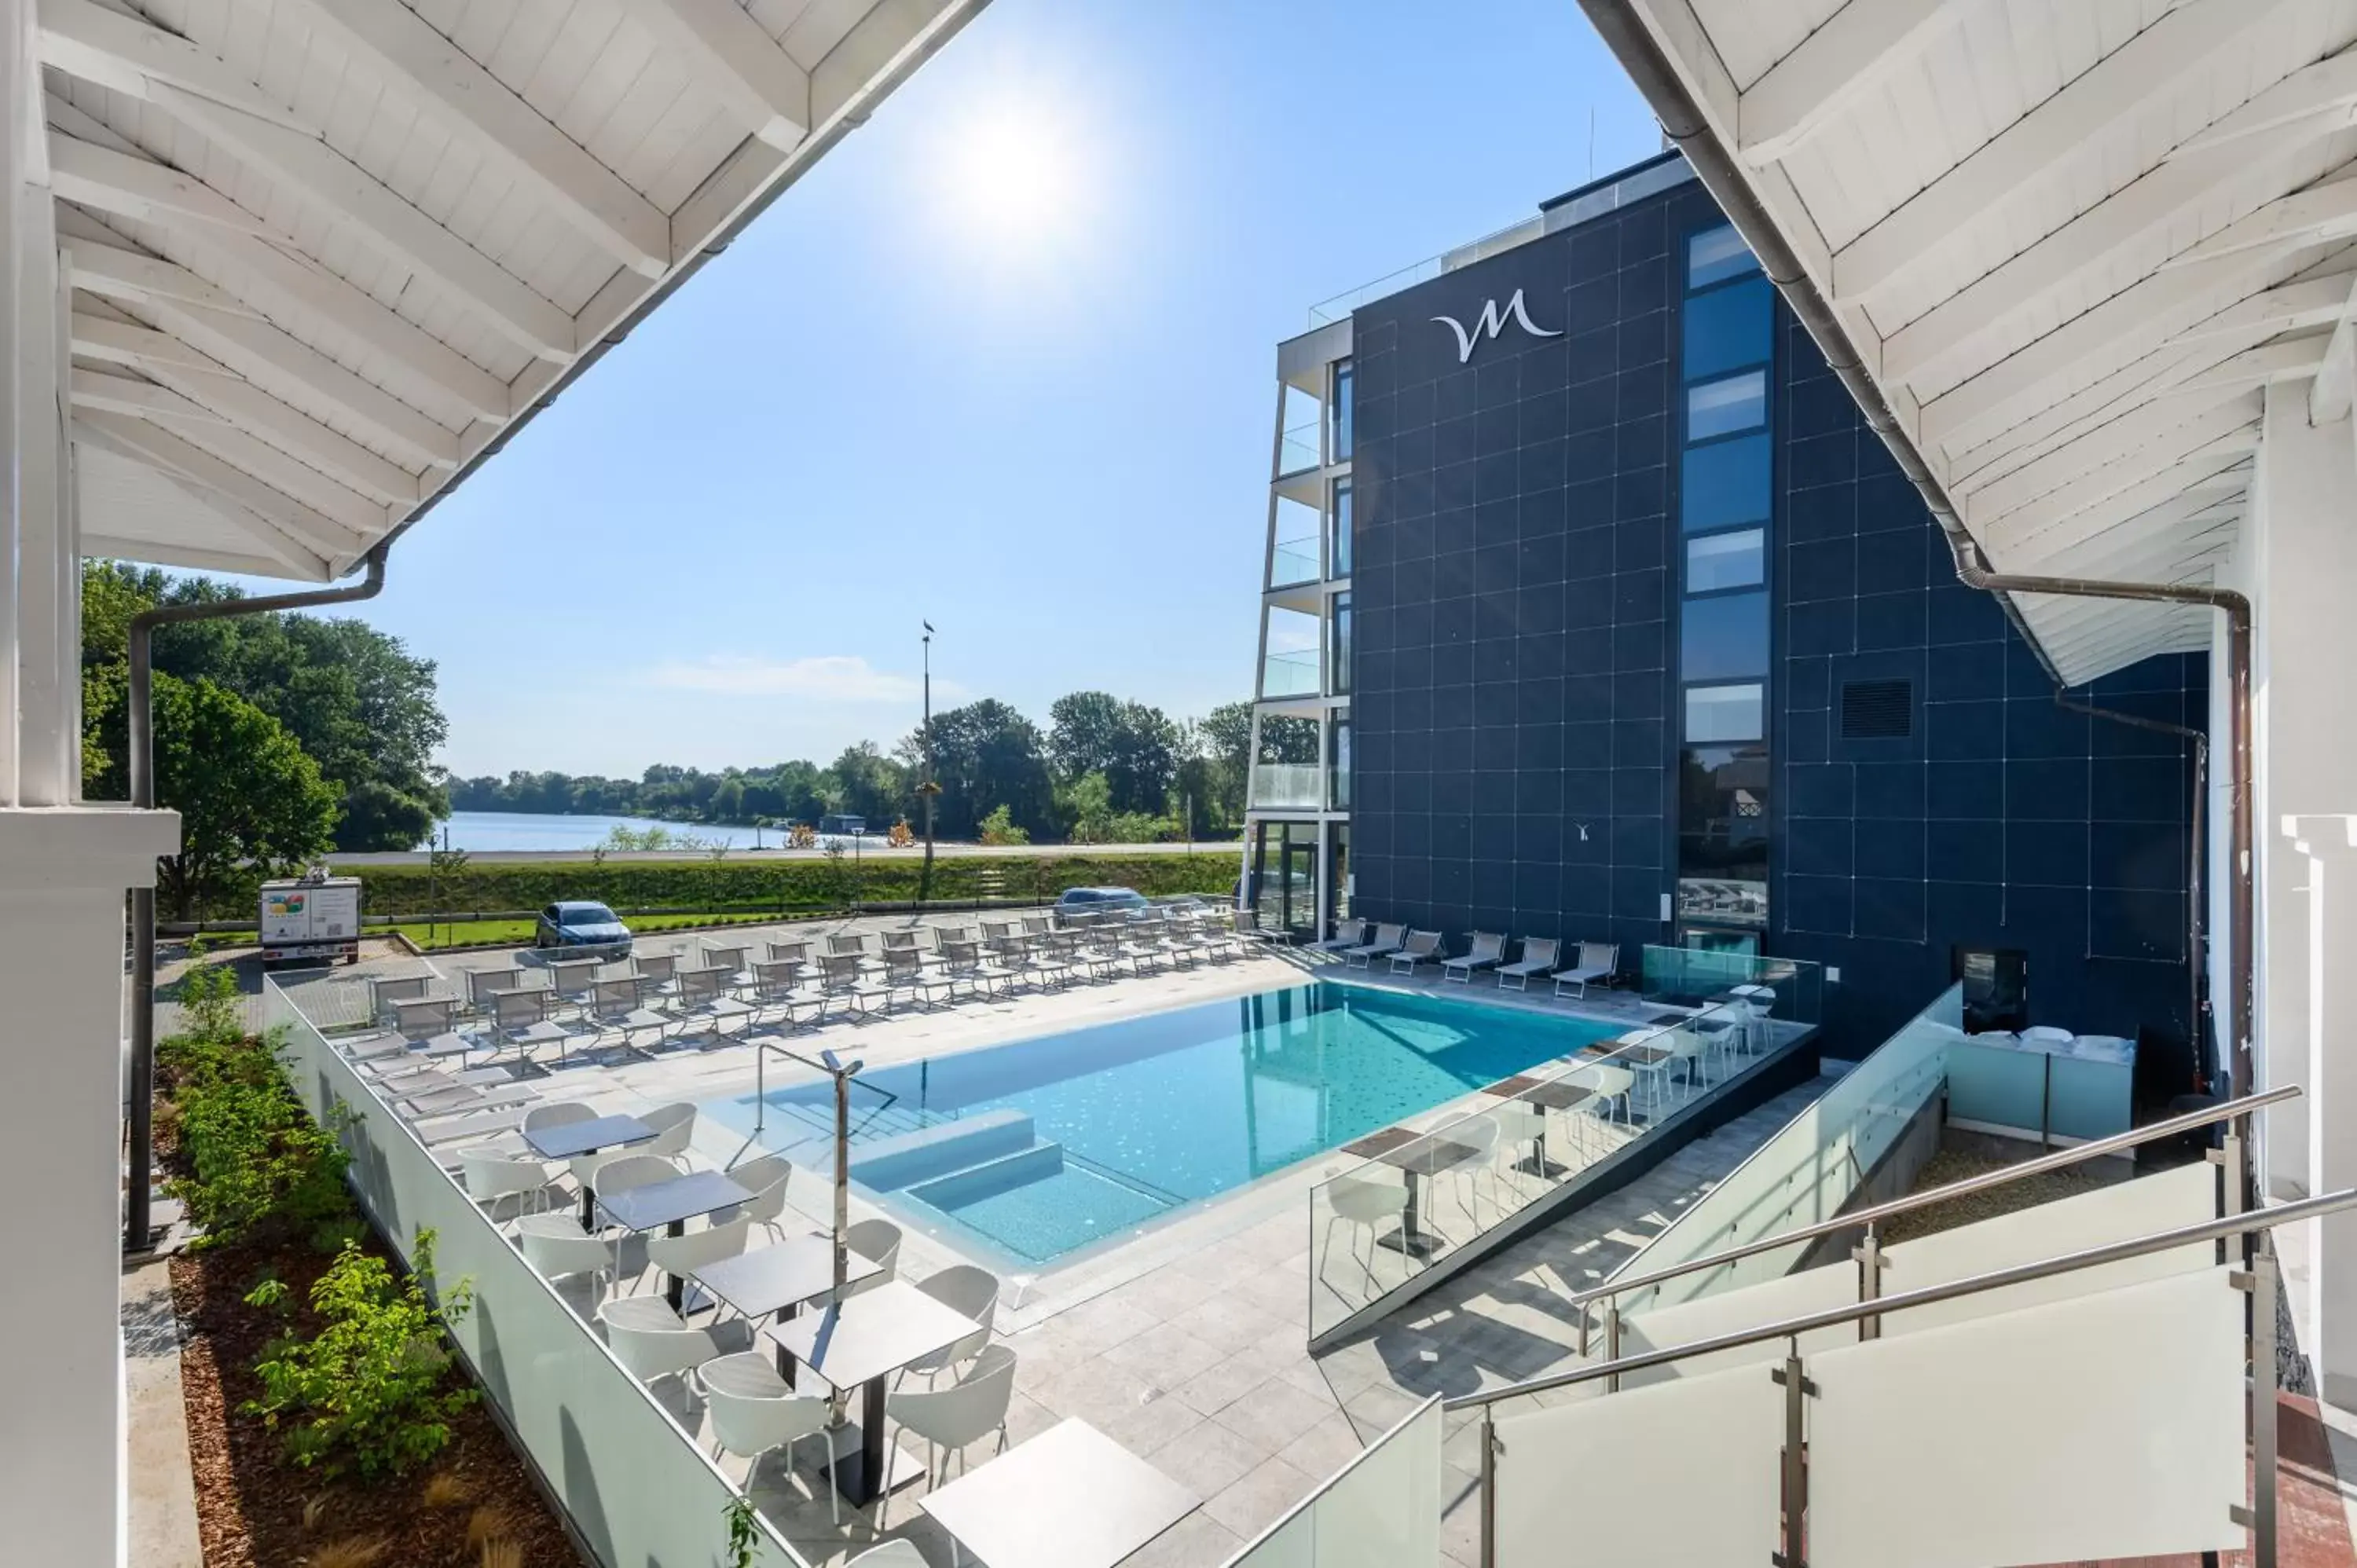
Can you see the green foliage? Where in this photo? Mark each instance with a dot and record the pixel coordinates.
(741, 1532)
(352, 697)
(259, 1168)
(998, 828)
(1133, 746)
(370, 1389)
(209, 1012)
(623, 837)
(755, 884)
(246, 793)
(988, 758)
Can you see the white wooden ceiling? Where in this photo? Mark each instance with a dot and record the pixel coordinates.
(325, 254)
(2073, 241)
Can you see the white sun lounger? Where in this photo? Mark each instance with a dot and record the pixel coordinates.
(1483, 952)
(1597, 962)
(1421, 947)
(1386, 942)
(1540, 954)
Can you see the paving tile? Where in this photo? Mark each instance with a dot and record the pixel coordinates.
(1207, 1457)
(1195, 1541)
(1225, 1382)
(1326, 1447)
(1274, 1413)
(1255, 1500)
(1166, 1355)
(1379, 1408)
(1231, 1323)
(1148, 1424)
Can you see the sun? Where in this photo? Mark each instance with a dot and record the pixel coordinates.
(1012, 175)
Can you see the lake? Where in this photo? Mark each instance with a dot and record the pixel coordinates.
(533, 830)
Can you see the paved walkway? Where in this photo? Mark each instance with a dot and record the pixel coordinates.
(1187, 1346)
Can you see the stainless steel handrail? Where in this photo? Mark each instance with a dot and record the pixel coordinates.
(2059, 1159)
(2254, 1220)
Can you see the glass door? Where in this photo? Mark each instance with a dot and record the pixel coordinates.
(1299, 892)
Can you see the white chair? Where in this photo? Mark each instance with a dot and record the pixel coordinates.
(631, 1169)
(555, 1246)
(1521, 1126)
(490, 1177)
(969, 1292)
(766, 1179)
(753, 1410)
(1609, 1084)
(893, 1554)
(878, 1241)
(957, 1417)
(680, 1256)
(1480, 1134)
(563, 1113)
(674, 1126)
(649, 1340)
(1364, 1203)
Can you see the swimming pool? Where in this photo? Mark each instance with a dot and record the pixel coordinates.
(1039, 1148)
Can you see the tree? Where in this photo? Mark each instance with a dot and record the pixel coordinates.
(352, 696)
(867, 783)
(244, 789)
(1135, 746)
(987, 757)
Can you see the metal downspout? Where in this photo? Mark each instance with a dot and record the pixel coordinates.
(1683, 122)
(139, 1191)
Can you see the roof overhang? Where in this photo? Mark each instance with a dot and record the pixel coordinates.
(325, 255)
(2072, 244)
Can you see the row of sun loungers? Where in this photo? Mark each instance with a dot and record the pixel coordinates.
(1406, 950)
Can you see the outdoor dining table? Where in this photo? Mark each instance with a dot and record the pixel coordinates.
(777, 1280)
(1417, 1155)
(1548, 1094)
(598, 1134)
(669, 1206)
(860, 1343)
(1070, 1498)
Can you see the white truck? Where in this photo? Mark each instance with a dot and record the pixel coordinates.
(313, 916)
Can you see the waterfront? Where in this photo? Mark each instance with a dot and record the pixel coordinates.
(473, 831)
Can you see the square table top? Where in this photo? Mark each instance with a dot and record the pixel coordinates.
(1070, 1498)
(661, 1203)
(1553, 1093)
(1627, 1050)
(588, 1137)
(770, 1279)
(880, 1330)
(1421, 1153)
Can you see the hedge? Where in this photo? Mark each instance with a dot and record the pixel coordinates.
(753, 886)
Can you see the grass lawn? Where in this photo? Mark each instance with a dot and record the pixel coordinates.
(483, 933)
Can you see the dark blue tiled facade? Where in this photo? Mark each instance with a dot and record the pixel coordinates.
(1516, 700)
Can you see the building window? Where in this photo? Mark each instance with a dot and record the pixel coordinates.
(1338, 418)
(1341, 531)
(1718, 254)
(1339, 660)
(1724, 637)
(1724, 484)
(1726, 329)
(1723, 834)
(1717, 561)
(1726, 406)
(1721, 714)
(1338, 765)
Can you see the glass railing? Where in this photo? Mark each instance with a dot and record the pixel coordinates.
(1810, 1168)
(1289, 675)
(1684, 977)
(1293, 561)
(1425, 1190)
(1291, 785)
(635, 1486)
(1298, 450)
(1381, 1510)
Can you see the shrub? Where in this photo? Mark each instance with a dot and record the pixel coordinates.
(209, 1005)
(369, 1390)
(1000, 828)
(259, 1168)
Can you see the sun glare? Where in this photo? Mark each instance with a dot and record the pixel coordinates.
(1012, 174)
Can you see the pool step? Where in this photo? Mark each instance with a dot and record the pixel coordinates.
(924, 1154)
(992, 1177)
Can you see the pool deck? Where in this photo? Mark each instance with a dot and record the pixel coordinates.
(1187, 1346)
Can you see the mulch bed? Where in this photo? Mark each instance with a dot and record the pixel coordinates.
(254, 1511)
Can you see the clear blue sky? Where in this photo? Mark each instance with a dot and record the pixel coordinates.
(1004, 360)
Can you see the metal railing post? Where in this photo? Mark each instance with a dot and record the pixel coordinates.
(1612, 1341)
(1870, 1280)
(1489, 1489)
(1797, 1388)
(2263, 1403)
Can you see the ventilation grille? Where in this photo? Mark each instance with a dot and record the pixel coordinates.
(1878, 710)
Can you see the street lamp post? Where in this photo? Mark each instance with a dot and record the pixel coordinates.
(927, 789)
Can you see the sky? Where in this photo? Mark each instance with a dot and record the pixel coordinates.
(1004, 360)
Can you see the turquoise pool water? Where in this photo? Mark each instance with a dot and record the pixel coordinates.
(1043, 1147)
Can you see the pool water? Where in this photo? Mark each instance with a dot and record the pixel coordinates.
(1039, 1148)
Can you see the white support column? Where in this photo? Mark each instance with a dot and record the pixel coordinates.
(63, 874)
(2322, 856)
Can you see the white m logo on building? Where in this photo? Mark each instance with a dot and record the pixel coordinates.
(1491, 322)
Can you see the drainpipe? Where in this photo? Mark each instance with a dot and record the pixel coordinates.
(1682, 123)
(2199, 741)
(140, 1190)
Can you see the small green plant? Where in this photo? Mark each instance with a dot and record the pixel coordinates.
(1000, 828)
(370, 1390)
(741, 1532)
(209, 1005)
(259, 1167)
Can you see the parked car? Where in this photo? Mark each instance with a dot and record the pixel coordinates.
(582, 930)
(1098, 901)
